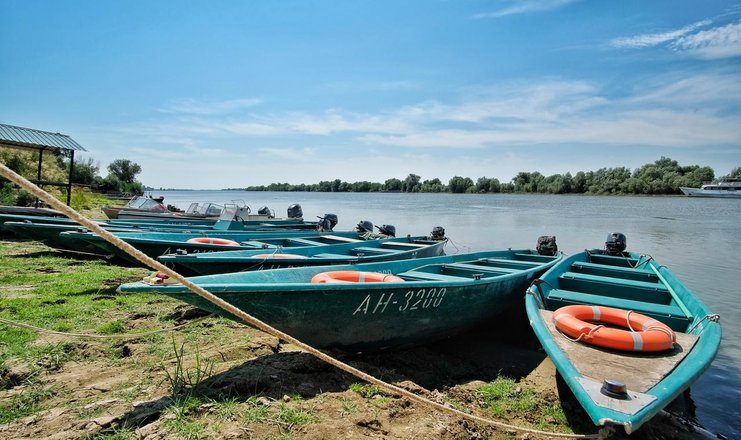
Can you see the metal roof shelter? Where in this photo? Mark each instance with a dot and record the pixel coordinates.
(37, 140)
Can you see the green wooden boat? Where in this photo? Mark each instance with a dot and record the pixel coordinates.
(354, 252)
(625, 387)
(155, 244)
(434, 298)
(49, 234)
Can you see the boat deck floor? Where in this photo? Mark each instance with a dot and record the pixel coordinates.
(639, 371)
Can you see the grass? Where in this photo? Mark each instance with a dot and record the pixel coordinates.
(52, 291)
(24, 404)
(505, 398)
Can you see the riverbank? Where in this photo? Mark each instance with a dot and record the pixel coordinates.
(207, 377)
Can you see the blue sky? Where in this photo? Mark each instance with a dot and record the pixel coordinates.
(236, 93)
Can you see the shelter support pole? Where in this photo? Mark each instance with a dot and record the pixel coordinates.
(69, 180)
(38, 173)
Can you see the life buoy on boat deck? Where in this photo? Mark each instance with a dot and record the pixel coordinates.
(644, 334)
(354, 276)
(263, 256)
(210, 240)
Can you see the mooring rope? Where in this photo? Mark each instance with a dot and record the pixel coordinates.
(92, 336)
(249, 319)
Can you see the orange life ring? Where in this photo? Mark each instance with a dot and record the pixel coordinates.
(353, 276)
(645, 334)
(263, 256)
(210, 240)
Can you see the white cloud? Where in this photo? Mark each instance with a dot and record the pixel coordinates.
(719, 42)
(196, 107)
(648, 40)
(714, 43)
(290, 154)
(678, 111)
(524, 7)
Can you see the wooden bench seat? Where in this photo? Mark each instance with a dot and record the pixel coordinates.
(413, 275)
(511, 264)
(404, 244)
(613, 271)
(482, 268)
(670, 314)
(373, 251)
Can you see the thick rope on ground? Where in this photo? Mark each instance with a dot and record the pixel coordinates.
(249, 319)
(91, 336)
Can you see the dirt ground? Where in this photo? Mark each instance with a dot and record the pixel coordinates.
(98, 398)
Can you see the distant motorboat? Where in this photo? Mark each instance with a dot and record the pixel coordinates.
(137, 203)
(729, 187)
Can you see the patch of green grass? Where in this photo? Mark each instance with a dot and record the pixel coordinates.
(505, 395)
(365, 390)
(255, 411)
(227, 409)
(185, 381)
(348, 407)
(552, 414)
(292, 415)
(186, 428)
(113, 434)
(112, 327)
(24, 404)
(505, 398)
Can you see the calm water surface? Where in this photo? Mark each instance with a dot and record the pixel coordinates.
(698, 239)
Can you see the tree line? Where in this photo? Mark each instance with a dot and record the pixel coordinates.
(664, 176)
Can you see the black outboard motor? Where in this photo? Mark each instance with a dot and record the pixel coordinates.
(327, 223)
(364, 227)
(547, 245)
(438, 233)
(264, 211)
(615, 244)
(294, 211)
(333, 219)
(388, 230)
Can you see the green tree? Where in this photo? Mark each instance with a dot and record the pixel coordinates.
(124, 170)
(392, 184)
(433, 186)
(459, 184)
(84, 171)
(411, 183)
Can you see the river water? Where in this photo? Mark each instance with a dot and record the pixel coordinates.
(696, 238)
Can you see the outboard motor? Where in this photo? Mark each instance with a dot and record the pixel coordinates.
(294, 211)
(387, 230)
(438, 233)
(547, 245)
(326, 223)
(364, 227)
(615, 244)
(332, 219)
(264, 211)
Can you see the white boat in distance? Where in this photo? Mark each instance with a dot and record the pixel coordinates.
(729, 187)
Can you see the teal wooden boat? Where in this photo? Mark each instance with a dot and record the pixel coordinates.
(646, 368)
(355, 252)
(155, 244)
(431, 298)
(49, 234)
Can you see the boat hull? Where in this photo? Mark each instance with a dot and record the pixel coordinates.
(321, 254)
(440, 296)
(715, 193)
(155, 244)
